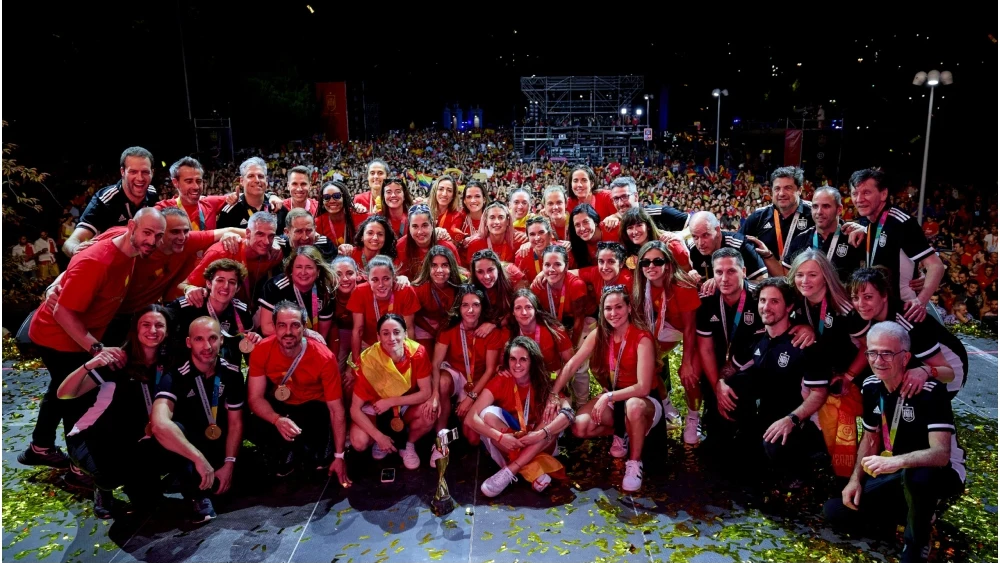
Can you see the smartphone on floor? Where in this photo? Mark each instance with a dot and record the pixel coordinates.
(388, 475)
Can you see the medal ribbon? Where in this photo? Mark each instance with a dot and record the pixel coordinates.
(615, 364)
(295, 363)
(522, 411)
(313, 319)
(822, 316)
(392, 300)
(467, 355)
(736, 319)
(552, 302)
(211, 410)
(236, 314)
(783, 244)
(870, 250)
(833, 243)
(201, 215)
(889, 435)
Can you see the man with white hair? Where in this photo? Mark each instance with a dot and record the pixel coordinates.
(625, 196)
(909, 456)
(707, 236)
(252, 195)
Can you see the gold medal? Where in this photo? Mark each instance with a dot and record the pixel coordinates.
(886, 453)
(213, 432)
(396, 424)
(149, 429)
(246, 346)
(282, 393)
(631, 262)
(469, 387)
(519, 434)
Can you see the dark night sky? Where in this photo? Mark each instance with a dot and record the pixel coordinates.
(84, 81)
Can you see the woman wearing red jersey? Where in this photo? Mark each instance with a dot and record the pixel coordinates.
(624, 361)
(435, 285)
(337, 224)
(412, 248)
(583, 183)
(370, 301)
(445, 209)
(531, 320)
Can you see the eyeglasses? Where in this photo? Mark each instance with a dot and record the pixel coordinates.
(336, 196)
(617, 288)
(658, 262)
(620, 198)
(885, 356)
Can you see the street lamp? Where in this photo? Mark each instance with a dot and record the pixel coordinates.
(638, 111)
(718, 122)
(647, 97)
(932, 79)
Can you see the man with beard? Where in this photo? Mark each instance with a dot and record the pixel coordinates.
(115, 205)
(186, 176)
(768, 392)
(300, 230)
(253, 184)
(69, 333)
(187, 421)
(625, 196)
(257, 253)
(294, 390)
(776, 225)
(826, 235)
(707, 236)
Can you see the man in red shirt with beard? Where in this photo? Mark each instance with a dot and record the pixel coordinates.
(186, 176)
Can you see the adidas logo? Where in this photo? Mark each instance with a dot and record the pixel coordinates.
(756, 352)
(877, 410)
(714, 319)
(768, 225)
(191, 393)
(121, 218)
(243, 222)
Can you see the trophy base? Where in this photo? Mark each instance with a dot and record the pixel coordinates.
(440, 507)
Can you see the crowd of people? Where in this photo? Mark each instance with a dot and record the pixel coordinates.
(365, 316)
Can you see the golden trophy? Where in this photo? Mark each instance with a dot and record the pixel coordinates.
(443, 503)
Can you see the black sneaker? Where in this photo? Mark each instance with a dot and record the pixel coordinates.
(103, 502)
(203, 511)
(77, 479)
(52, 457)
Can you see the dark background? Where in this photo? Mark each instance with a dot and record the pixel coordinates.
(86, 80)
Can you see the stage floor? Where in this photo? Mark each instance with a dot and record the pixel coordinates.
(686, 511)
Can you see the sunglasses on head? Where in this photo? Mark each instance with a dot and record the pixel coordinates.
(658, 262)
(336, 196)
(617, 288)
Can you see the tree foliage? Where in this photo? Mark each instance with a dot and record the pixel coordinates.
(15, 178)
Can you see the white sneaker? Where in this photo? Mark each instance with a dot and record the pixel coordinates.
(377, 452)
(633, 476)
(435, 455)
(497, 483)
(619, 446)
(410, 458)
(692, 428)
(670, 414)
(541, 483)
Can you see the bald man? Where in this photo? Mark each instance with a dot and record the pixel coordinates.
(69, 333)
(188, 421)
(707, 236)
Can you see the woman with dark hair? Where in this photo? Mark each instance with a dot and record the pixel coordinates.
(436, 283)
(466, 360)
(396, 200)
(529, 261)
(337, 224)
(348, 278)
(488, 276)
(444, 204)
(374, 237)
(371, 300)
(564, 294)
(533, 321)
(585, 234)
(623, 355)
(584, 186)
(376, 173)
(510, 416)
(308, 281)
(393, 381)
(422, 236)
(637, 228)
(109, 421)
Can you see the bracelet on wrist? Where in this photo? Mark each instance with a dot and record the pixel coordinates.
(276, 419)
(338, 455)
(547, 435)
(230, 459)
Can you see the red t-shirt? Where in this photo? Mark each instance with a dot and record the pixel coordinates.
(502, 389)
(452, 338)
(334, 231)
(451, 221)
(601, 203)
(419, 363)
(316, 378)
(403, 262)
(504, 251)
(156, 278)
(530, 265)
(573, 290)
(429, 306)
(628, 373)
(364, 199)
(682, 300)
(93, 286)
(258, 270)
(207, 210)
(596, 283)
(551, 349)
(403, 302)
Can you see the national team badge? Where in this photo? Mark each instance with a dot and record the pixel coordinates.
(783, 359)
(882, 239)
(908, 414)
(802, 224)
(748, 318)
(828, 321)
(842, 250)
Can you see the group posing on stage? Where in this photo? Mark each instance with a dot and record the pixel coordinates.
(367, 321)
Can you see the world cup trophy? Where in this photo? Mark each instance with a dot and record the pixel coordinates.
(443, 503)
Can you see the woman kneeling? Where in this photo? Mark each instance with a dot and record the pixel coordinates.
(393, 381)
(519, 419)
(623, 361)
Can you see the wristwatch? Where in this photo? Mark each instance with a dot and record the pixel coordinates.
(96, 348)
(794, 417)
(472, 395)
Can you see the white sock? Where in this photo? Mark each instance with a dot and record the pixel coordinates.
(409, 445)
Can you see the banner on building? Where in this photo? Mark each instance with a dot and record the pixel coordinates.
(332, 98)
(793, 147)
